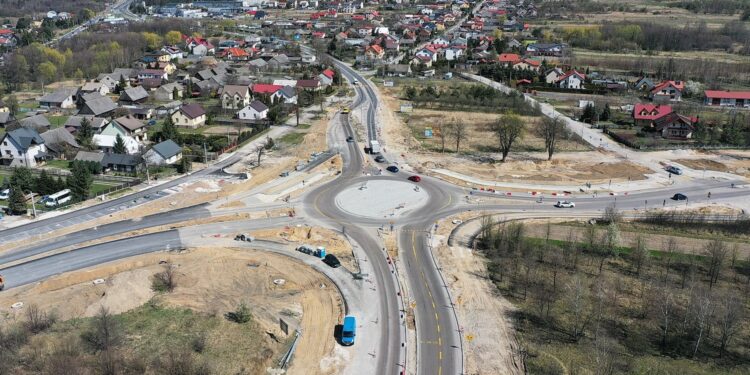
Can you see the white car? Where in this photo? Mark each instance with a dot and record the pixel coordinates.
(565, 204)
(456, 221)
(4, 194)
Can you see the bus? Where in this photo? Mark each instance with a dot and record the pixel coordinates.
(61, 197)
(349, 330)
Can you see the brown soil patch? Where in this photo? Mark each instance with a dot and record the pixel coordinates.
(707, 164)
(210, 281)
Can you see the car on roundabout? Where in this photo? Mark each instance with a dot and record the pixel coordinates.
(415, 178)
(565, 204)
(679, 197)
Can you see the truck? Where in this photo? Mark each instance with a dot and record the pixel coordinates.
(374, 147)
(349, 331)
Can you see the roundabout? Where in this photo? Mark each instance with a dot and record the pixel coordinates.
(381, 199)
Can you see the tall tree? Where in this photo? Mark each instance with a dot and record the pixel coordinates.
(80, 181)
(730, 316)
(119, 146)
(22, 179)
(459, 133)
(552, 129)
(85, 134)
(716, 251)
(169, 130)
(12, 103)
(508, 129)
(16, 201)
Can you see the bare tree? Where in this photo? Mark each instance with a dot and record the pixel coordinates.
(664, 301)
(459, 132)
(261, 149)
(577, 306)
(440, 130)
(604, 355)
(508, 128)
(38, 320)
(105, 333)
(729, 320)
(551, 129)
(670, 248)
(704, 309)
(640, 253)
(572, 250)
(166, 280)
(609, 242)
(716, 251)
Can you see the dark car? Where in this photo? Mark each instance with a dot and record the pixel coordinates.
(679, 197)
(349, 139)
(380, 159)
(415, 178)
(392, 168)
(332, 261)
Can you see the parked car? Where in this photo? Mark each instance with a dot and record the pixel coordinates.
(415, 178)
(4, 194)
(392, 168)
(565, 204)
(332, 261)
(244, 237)
(679, 197)
(674, 170)
(349, 139)
(380, 159)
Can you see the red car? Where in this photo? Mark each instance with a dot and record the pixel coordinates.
(415, 178)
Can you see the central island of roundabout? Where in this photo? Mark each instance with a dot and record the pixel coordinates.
(381, 199)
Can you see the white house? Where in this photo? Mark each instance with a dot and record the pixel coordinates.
(453, 53)
(254, 111)
(553, 75)
(22, 147)
(106, 143)
(164, 153)
(571, 80)
(63, 98)
(235, 97)
(189, 115)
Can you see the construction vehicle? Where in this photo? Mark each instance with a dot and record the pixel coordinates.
(2, 282)
(345, 110)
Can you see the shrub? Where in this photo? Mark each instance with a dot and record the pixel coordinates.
(241, 315)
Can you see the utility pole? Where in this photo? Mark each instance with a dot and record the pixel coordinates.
(33, 205)
(148, 178)
(205, 154)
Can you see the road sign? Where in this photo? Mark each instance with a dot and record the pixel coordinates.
(284, 326)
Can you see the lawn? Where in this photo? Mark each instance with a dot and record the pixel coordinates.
(292, 138)
(60, 164)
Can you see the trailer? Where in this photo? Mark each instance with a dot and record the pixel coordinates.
(374, 147)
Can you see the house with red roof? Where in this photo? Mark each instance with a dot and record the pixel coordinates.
(646, 114)
(265, 89)
(508, 59)
(374, 52)
(726, 98)
(235, 54)
(571, 80)
(667, 91)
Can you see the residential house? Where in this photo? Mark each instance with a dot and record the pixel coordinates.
(6, 119)
(571, 80)
(235, 54)
(508, 59)
(288, 94)
(90, 156)
(326, 77)
(133, 127)
(22, 147)
(98, 87)
(159, 74)
(726, 98)
(106, 143)
(644, 115)
(235, 97)
(527, 64)
(122, 163)
(676, 126)
(199, 46)
(167, 92)
(64, 98)
(254, 111)
(644, 84)
(107, 81)
(429, 51)
(265, 90)
(189, 115)
(164, 153)
(173, 52)
(374, 52)
(157, 56)
(546, 49)
(134, 95)
(309, 84)
(454, 52)
(257, 64)
(40, 123)
(553, 75)
(667, 91)
(102, 106)
(60, 143)
(399, 70)
(74, 122)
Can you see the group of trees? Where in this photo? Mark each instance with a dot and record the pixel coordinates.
(475, 96)
(23, 182)
(582, 290)
(653, 36)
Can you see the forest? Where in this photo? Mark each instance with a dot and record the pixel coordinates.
(593, 304)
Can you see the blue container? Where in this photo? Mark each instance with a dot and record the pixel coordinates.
(321, 252)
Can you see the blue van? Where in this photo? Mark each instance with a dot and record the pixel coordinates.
(349, 330)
